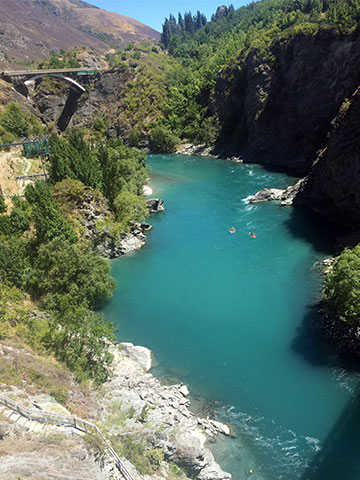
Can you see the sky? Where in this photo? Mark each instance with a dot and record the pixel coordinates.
(153, 12)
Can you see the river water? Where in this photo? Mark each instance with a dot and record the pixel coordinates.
(231, 316)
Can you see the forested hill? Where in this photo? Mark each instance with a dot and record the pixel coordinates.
(243, 58)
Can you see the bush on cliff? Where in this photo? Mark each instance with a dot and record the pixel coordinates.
(3, 207)
(14, 121)
(342, 288)
(129, 208)
(162, 140)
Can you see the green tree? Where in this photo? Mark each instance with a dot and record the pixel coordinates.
(162, 140)
(134, 137)
(72, 157)
(123, 168)
(342, 288)
(14, 260)
(129, 208)
(49, 222)
(72, 271)
(19, 221)
(13, 120)
(80, 339)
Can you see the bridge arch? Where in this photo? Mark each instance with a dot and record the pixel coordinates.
(73, 83)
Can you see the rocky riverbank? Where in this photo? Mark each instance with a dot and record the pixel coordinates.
(148, 423)
(160, 414)
(95, 223)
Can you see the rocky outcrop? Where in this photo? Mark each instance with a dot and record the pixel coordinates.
(203, 150)
(103, 100)
(155, 205)
(286, 196)
(164, 408)
(278, 109)
(332, 187)
(113, 247)
(95, 213)
(51, 103)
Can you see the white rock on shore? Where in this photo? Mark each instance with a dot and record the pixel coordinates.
(147, 190)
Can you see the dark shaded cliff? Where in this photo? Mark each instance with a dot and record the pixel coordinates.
(279, 110)
(332, 187)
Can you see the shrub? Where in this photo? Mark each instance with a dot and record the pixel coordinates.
(129, 208)
(3, 206)
(60, 395)
(13, 120)
(134, 137)
(342, 289)
(155, 457)
(162, 140)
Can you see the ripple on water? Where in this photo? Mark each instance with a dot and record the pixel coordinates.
(264, 439)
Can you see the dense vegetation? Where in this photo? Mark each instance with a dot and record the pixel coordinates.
(162, 103)
(174, 91)
(43, 256)
(167, 98)
(15, 124)
(343, 287)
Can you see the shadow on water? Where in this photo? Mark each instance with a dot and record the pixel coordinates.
(339, 457)
(314, 228)
(313, 343)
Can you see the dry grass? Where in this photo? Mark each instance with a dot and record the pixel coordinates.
(34, 374)
(12, 164)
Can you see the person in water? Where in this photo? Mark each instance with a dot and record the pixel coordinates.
(252, 235)
(232, 230)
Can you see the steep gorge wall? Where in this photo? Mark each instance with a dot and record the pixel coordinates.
(279, 111)
(332, 187)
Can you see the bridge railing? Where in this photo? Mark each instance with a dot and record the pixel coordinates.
(65, 421)
(19, 73)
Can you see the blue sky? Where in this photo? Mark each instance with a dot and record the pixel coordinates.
(153, 13)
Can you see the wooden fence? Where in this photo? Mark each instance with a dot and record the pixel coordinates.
(65, 421)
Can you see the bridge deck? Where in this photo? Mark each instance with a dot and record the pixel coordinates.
(78, 71)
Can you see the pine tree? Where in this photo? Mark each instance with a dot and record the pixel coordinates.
(181, 23)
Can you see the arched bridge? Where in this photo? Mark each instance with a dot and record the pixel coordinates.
(66, 74)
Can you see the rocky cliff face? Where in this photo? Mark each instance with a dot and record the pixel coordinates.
(332, 187)
(279, 111)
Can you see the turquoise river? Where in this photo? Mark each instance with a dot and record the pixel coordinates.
(231, 316)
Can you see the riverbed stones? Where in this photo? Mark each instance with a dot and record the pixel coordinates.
(160, 414)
